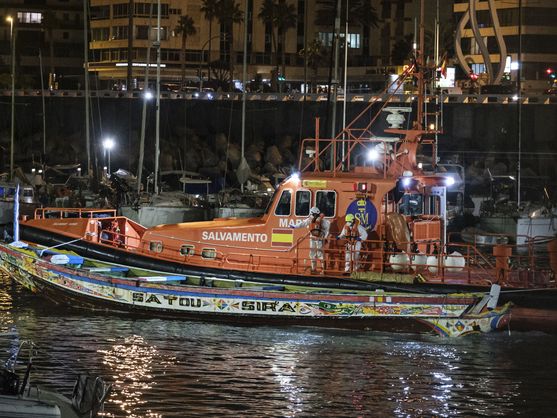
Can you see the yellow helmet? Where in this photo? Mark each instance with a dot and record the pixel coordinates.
(349, 218)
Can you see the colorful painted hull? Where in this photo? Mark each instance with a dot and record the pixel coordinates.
(447, 315)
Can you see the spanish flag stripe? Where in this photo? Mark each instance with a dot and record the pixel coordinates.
(282, 237)
(281, 244)
(283, 231)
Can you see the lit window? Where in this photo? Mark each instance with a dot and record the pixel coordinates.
(353, 40)
(29, 17)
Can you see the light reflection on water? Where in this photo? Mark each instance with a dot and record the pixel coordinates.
(170, 368)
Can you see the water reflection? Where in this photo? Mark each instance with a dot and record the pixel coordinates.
(131, 363)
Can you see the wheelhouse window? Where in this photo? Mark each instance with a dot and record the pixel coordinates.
(187, 250)
(283, 205)
(155, 246)
(303, 200)
(326, 201)
(411, 204)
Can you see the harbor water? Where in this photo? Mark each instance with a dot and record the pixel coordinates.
(173, 368)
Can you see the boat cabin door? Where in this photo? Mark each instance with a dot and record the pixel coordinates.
(438, 205)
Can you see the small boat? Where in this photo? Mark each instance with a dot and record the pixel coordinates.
(67, 277)
(170, 206)
(27, 201)
(478, 236)
(19, 398)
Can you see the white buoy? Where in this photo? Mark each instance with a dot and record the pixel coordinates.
(455, 262)
(419, 262)
(432, 263)
(399, 261)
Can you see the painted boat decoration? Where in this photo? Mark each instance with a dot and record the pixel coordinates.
(84, 282)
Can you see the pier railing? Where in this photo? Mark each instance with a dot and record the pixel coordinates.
(296, 97)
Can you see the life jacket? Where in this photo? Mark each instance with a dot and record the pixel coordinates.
(351, 233)
(316, 227)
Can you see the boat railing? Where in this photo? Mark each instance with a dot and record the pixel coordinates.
(377, 260)
(343, 150)
(524, 265)
(273, 262)
(374, 154)
(44, 213)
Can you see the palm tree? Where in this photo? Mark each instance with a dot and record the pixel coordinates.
(228, 13)
(186, 28)
(402, 49)
(315, 55)
(49, 23)
(285, 20)
(281, 17)
(360, 12)
(267, 16)
(209, 10)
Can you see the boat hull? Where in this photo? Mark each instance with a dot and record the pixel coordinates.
(522, 229)
(445, 315)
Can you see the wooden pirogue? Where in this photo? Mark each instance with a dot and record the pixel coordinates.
(66, 277)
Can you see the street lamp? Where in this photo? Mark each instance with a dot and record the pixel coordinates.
(108, 144)
(12, 131)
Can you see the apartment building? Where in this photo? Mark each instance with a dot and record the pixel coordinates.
(122, 31)
(53, 28)
(117, 34)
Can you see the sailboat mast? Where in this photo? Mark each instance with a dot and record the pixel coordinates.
(334, 83)
(144, 109)
(244, 80)
(345, 78)
(44, 107)
(86, 74)
(158, 105)
(420, 74)
(519, 103)
(13, 31)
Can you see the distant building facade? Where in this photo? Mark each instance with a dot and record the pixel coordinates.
(52, 27)
(524, 30)
(122, 31)
(370, 45)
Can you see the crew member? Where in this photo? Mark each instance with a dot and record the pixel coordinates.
(318, 231)
(354, 233)
(115, 229)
